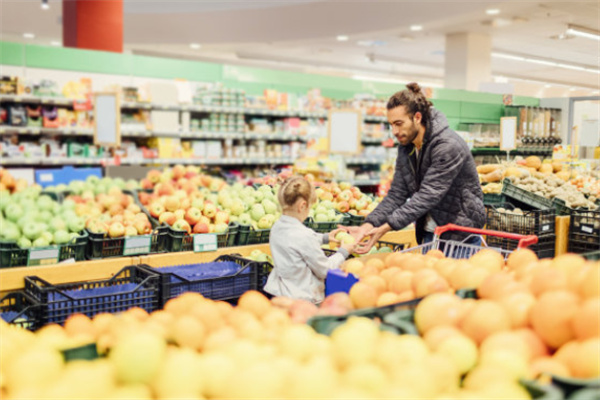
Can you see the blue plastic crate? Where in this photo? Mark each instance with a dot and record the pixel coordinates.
(19, 309)
(52, 177)
(226, 278)
(338, 281)
(130, 287)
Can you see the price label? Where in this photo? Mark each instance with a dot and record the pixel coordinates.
(545, 228)
(137, 245)
(587, 229)
(205, 242)
(43, 256)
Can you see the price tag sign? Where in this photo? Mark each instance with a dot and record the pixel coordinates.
(137, 245)
(205, 242)
(589, 229)
(43, 256)
(545, 228)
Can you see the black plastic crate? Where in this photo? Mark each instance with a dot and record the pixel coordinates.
(544, 248)
(11, 255)
(101, 246)
(227, 287)
(355, 220)
(181, 241)
(493, 198)
(532, 222)
(570, 386)
(248, 235)
(562, 209)
(325, 227)
(525, 196)
(130, 287)
(584, 231)
(592, 256)
(19, 309)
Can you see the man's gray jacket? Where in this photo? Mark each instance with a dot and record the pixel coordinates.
(443, 181)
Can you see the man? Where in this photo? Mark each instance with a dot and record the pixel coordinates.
(435, 180)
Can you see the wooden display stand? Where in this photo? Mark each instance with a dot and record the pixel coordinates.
(562, 235)
(13, 278)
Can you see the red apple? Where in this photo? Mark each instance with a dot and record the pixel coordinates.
(182, 225)
(167, 217)
(144, 197)
(153, 176)
(178, 172)
(116, 229)
(221, 217)
(134, 208)
(146, 184)
(200, 228)
(172, 203)
(156, 209)
(193, 215)
(142, 227)
(209, 210)
(204, 220)
(205, 180)
(342, 206)
(164, 189)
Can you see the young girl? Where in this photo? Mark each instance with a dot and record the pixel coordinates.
(300, 264)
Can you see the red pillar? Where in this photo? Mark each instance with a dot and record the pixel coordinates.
(93, 24)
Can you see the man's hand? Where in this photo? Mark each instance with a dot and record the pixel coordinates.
(357, 232)
(332, 234)
(374, 234)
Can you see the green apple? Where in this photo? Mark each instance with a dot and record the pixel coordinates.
(331, 215)
(40, 242)
(13, 212)
(320, 210)
(57, 224)
(269, 206)
(92, 179)
(23, 242)
(321, 218)
(76, 224)
(4, 199)
(259, 196)
(266, 222)
(10, 231)
(221, 228)
(68, 204)
(132, 184)
(233, 218)
(48, 236)
(385, 249)
(61, 187)
(61, 237)
(73, 237)
(327, 204)
(45, 216)
(45, 202)
(257, 212)
(255, 253)
(119, 182)
(32, 230)
(245, 219)
(68, 215)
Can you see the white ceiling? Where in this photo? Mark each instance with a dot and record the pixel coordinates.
(301, 34)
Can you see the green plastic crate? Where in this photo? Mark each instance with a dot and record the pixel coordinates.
(325, 227)
(492, 199)
(181, 241)
(570, 386)
(525, 197)
(248, 235)
(11, 255)
(399, 321)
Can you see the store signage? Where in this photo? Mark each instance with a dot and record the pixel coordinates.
(43, 256)
(137, 245)
(545, 228)
(205, 242)
(587, 229)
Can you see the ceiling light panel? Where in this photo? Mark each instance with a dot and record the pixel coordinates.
(541, 61)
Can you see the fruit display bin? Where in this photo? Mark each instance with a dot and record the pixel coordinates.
(584, 231)
(248, 235)
(324, 227)
(593, 255)
(130, 287)
(490, 199)
(228, 281)
(355, 220)
(533, 222)
(398, 320)
(100, 246)
(182, 241)
(571, 386)
(526, 197)
(19, 309)
(11, 255)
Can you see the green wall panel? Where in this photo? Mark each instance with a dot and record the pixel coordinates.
(169, 68)
(77, 60)
(526, 101)
(11, 53)
(450, 108)
(484, 112)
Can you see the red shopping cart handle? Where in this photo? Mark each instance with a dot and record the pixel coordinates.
(524, 240)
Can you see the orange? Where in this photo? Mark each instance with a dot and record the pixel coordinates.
(406, 296)
(255, 302)
(401, 281)
(376, 282)
(388, 273)
(551, 317)
(79, 324)
(426, 284)
(437, 309)
(138, 313)
(586, 321)
(456, 277)
(182, 304)
(548, 365)
(188, 331)
(537, 347)
(353, 266)
(589, 287)
(387, 298)
(224, 308)
(474, 277)
(507, 341)
(439, 333)
(489, 259)
(517, 305)
(395, 259)
(485, 318)
(445, 266)
(363, 295)
(548, 279)
(435, 253)
(521, 257)
(414, 263)
(568, 355)
(377, 263)
(588, 359)
(208, 313)
(368, 271)
(494, 285)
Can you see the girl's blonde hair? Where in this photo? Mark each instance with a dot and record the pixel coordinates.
(294, 188)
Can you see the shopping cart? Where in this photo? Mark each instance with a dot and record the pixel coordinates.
(457, 250)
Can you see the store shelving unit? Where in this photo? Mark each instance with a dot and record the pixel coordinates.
(143, 161)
